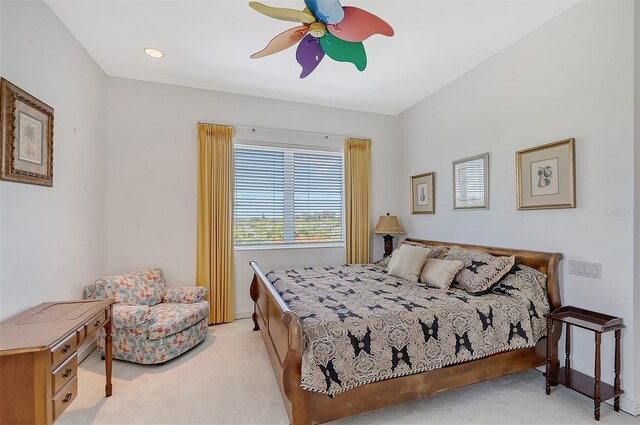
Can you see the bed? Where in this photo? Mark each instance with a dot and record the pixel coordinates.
(289, 311)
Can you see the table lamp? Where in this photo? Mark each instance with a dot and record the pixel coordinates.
(388, 225)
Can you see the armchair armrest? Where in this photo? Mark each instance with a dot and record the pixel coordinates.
(185, 294)
(130, 316)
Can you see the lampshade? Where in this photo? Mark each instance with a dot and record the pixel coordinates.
(388, 225)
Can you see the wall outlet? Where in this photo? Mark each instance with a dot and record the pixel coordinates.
(586, 269)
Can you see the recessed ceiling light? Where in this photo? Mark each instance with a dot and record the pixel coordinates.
(153, 52)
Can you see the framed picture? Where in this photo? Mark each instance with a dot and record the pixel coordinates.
(547, 176)
(423, 197)
(471, 183)
(26, 128)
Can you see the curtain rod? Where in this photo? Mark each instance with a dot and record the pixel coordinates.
(306, 133)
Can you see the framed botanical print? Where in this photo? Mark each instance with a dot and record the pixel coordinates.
(26, 129)
(423, 197)
(547, 176)
(471, 183)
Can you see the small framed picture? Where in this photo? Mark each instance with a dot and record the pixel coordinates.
(26, 128)
(423, 197)
(547, 176)
(471, 183)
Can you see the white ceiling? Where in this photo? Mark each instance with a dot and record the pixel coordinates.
(208, 42)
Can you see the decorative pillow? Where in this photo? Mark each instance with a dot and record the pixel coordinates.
(438, 251)
(407, 262)
(440, 273)
(481, 270)
(384, 263)
(522, 280)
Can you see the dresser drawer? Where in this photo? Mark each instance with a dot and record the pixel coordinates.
(64, 349)
(95, 323)
(64, 373)
(62, 400)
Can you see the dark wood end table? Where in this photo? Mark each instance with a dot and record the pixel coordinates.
(591, 387)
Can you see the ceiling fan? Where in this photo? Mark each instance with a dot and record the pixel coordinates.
(327, 28)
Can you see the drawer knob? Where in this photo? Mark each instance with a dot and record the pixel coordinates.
(67, 398)
(66, 348)
(67, 373)
(97, 323)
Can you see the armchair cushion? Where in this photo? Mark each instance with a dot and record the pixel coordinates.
(187, 294)
(130, 316)
(138, 288)
(171, 318)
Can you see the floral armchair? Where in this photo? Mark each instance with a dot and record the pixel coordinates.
(152, 323)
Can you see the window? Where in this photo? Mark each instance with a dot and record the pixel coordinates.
(287, 196)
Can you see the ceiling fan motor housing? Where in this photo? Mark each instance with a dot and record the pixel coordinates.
(317, 29)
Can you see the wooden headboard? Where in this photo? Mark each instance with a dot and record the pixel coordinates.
(546, 262)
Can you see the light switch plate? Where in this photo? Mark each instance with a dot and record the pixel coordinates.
(585, 269)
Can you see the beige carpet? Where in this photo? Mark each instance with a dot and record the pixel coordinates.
(228, 380)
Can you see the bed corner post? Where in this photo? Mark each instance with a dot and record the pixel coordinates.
(555, 302)
(292, 372)
(253, 291)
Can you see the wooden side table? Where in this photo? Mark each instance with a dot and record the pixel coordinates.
(591, 387)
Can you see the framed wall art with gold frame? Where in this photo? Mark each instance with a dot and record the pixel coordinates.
(547, 176)
(26, 131)
(423, 196)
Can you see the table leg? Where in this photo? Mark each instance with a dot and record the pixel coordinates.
(567, 358)
(108, 348)
(548, 374)
(596, 390)
(616, 381)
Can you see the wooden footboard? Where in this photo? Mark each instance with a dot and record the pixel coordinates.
(282, 334)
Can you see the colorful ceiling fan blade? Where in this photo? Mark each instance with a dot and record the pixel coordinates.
(327, 11)
(358, 25)
(309, 54)
(344, 51)
(282, 13)
(282, 41)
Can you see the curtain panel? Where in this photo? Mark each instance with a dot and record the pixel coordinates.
(357, 159)
(215, 245)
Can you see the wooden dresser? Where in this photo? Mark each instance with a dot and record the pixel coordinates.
(38, 358)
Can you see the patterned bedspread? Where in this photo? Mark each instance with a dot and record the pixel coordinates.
(361, 325)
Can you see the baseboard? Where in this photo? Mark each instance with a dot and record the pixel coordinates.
(628, 405)
(86, 349)
(243, 314)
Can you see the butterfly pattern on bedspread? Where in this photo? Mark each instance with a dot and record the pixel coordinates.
(361, 325)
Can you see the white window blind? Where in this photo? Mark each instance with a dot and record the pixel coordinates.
(469, 181)
(287, 196)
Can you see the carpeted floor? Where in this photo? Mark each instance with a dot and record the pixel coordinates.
(228, 380)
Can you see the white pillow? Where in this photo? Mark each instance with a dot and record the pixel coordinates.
(407, 262)
(440, 273)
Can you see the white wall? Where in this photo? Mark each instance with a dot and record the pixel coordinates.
(1, 37)
(152, 174)
(53, 239)
(573, 77)
(636, 191)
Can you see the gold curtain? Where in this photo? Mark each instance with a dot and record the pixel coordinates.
(214, 264)
(357, 159)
